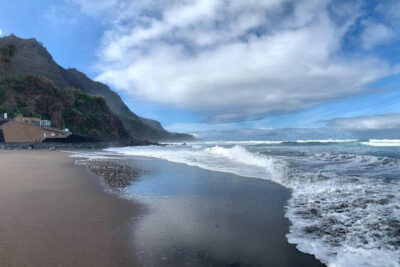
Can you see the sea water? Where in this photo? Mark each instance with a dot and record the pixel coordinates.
(345, 204)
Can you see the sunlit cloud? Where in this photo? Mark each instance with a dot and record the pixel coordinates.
(234, 61)
(373, 122)
(376, 34)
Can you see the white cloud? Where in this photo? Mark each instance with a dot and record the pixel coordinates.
(375, 34)
(390, 9)
(1, 32)
(233, 60)
(373, 122)
(199, 127)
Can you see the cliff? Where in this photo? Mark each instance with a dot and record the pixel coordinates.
(31, 57)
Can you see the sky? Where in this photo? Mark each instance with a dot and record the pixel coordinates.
(231, 65)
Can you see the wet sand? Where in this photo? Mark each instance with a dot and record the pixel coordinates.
(204, 218)
(53, 213)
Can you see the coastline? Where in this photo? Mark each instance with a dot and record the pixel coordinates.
(61, 145)
(54, 213)
(200, 217)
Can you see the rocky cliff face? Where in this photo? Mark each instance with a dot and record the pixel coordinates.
(31, 57)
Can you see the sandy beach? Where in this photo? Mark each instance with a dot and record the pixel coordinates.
(205, 218)
(54, 213)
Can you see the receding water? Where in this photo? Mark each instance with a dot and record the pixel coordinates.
(345, 203)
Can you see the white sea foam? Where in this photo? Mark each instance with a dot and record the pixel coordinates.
(382, 142)
(249, 142)
(235, 160)
(341, 210)
(327, 141)
(265, 142)
(243, 142)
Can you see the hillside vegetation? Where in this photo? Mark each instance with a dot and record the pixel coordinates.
(21, 57)
(33, 95)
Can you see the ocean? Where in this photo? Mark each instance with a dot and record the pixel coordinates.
(345, 201)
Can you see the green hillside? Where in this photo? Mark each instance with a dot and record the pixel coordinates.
(33, 95)
(31, 57)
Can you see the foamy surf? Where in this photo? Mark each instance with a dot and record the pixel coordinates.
(327, 141)
(382, 142)
(265, 142)
(236, 160)
(345, 207)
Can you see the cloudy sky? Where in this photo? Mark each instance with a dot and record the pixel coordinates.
(202, 65)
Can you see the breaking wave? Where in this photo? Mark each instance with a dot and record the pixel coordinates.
(345, 208)
(327, 141)
(269, 142)
(382, 142)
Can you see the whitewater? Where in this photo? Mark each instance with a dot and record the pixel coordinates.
(345, 203)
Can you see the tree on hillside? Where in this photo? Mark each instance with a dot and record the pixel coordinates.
(56, 115)
(6, 54)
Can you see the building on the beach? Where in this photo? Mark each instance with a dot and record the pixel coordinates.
(45, 123)
(27, 129)
(32, 120)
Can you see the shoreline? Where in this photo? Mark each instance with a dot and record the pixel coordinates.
(55, 213)
(232, 220)
(74, 145)
(58, 213)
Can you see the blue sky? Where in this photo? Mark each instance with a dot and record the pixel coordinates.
(224, 65)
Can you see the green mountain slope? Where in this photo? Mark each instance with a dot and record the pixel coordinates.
(71, 108)
(31, 57)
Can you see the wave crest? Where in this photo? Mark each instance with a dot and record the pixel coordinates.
(344, 207)
(382, 142)
(276, 168)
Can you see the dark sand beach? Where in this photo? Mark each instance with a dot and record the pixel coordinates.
(54, 213)
(205, 218)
